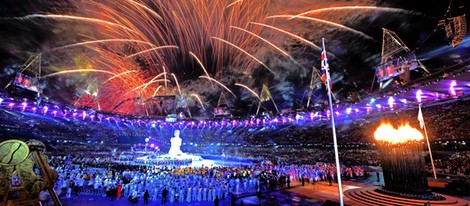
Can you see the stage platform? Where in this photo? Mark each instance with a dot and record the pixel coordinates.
(362, 193)
(369, 197)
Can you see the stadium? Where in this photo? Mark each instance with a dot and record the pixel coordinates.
(189, 102)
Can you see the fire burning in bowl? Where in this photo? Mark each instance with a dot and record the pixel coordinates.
(388, 134)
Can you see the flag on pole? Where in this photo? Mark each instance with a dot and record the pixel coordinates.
(326, 80)
(420, 118)
(325, 77)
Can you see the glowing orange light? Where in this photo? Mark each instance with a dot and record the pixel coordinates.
(405, 133)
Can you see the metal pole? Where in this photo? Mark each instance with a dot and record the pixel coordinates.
(335, 142)
(46, 175)
(429, 148)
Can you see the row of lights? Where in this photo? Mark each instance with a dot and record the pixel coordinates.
(298, 118)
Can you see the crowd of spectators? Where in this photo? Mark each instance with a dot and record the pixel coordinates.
(446, 122)
(456, 164)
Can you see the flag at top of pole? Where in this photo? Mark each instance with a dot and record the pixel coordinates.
(325, 73)
(420, 118)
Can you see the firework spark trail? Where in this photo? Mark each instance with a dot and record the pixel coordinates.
(146, 84)
(245, 52)
(99, 41)
(235, 2)
(200, 63)
(262, 39)
(325, 22)
(376, 8)
(118, 75)
(219, 83)
(250, 90)
(70, 17)
(156, 90)
(288, 33)
(269, 43)
(152, 49)
(177, 83)
(146, 9)
(164, 76)
(154, 79)
(198, 99)
(79, 70)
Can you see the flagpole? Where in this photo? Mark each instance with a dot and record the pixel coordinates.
(429, 146)
(335, 142)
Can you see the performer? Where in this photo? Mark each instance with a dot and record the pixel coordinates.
(175, 144)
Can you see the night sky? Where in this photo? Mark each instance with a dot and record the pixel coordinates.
(352, 56)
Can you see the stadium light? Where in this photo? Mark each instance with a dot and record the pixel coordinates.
(451, 88)
(418, 95)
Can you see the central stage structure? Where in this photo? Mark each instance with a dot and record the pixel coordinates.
(174, 154)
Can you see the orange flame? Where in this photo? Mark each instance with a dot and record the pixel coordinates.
(405, 133)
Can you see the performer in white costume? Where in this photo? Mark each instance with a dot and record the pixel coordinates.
(175, 145)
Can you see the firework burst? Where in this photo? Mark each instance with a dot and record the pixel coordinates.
(147, 37)
(136, 50)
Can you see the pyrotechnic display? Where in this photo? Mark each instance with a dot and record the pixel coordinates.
(117, 56)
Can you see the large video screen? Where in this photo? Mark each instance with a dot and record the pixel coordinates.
(396, 66)
(27, 82)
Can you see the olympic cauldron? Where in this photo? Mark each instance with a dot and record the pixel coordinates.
(403, 161)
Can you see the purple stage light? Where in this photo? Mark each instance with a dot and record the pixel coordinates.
(152, 145)
(404, 101)
(418, 95)
(357, 110)
(348, 110)
(378, 106)
(391, 101)
(1, 100)
(451, 88)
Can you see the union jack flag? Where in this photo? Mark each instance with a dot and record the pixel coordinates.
(324, 66)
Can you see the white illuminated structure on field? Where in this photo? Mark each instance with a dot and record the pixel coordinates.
(175, 145)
